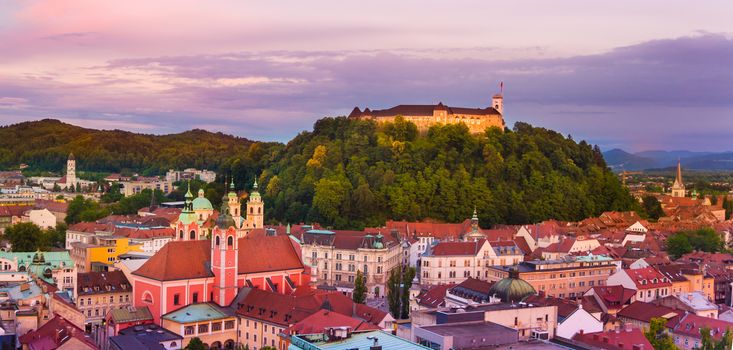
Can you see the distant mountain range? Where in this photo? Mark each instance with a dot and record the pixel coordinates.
(619, 159)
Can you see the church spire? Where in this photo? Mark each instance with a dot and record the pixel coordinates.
(678, 179)
(678, 187)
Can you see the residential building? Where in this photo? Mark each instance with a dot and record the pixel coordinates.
(685, 329)
(465, 335)
(640, 313)
(97, 293)
(42, 218)
(56, 268)
(648, 283)
(611, 299)
(145, 337)
(335, 256)
(124, 318)
(57, 333)
(213, 325)
(694, 302)
(451, 262)
(569, 277)
(140, 183)
(190, 174)
(628, 338)
(103, 253)
(321, 322)
(264, 315)
(567, 246)
(342, 339)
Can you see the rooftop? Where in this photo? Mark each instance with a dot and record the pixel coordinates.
(356, 341)
(196, 313)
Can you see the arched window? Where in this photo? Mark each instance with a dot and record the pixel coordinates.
(192, 235)
(259, 210)
(181, 234)
(217, 240)
(230, 241)
(201, 217)
(147, 297)
(251, 210)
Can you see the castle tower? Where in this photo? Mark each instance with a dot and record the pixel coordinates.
(71, 171)
(224, 264)
(678, 187)
(187, 228)
(255, 209)
(498, 103)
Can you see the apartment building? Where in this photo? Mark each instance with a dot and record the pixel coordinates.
(569, 277)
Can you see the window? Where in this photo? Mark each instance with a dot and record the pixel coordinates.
(111, 299)
(228, 324)
(230, 241)
(338, 277)
(188, 330)
(120, 299)
(452, 263)
(351, 279)
(192, 235)
(195, 297)
(203, 328)
(351, 257)
(176, 299)
(215, 327)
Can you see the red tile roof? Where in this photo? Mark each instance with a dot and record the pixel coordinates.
(322, 319)
(52, 206)
(690, 324)
(647, 278)
(625, 339)
(434, 296)
(457, 248)
(89, 227)
(54, 333)
(644, 312)
(144, 234)
(14, 210)
(90, 283)
(614, 297)
(179, 260)
(288, 310)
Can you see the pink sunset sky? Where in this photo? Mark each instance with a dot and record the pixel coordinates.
(636, 75)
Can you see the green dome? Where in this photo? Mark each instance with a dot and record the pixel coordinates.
(187, 218)
(201, 203)
(512, 289)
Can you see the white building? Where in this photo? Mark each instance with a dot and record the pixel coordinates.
(578, 320)
(42, 218)
(453, 262)
(190, 174)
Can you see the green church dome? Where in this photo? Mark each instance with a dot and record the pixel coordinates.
(201, 203)
(512, 289)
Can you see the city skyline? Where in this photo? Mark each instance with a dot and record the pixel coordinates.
(658, 79)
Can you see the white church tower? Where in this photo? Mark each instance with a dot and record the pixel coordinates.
(71, 171)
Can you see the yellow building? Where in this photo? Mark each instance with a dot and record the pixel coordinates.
(89, 257)
(206, 321)
(687, 279)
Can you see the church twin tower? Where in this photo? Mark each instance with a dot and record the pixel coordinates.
(194, 221)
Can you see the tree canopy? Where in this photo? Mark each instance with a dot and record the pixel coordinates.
(350, 173)
(705, 239)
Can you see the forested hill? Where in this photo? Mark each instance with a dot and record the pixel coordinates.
(46, 144)
(351, 173)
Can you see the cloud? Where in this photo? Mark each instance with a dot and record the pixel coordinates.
(640, 95)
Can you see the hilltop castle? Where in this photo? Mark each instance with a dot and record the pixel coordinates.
(425, 116)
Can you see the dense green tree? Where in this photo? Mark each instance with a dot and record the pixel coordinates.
(657, 336)
(678, 245)
(398, 291)
(652, 207)
(705, 239)
(360, 289)
(195, 344)
(131, 204)
(350, 173)
(81, 209)
(26, 237)
(57, 235)
(113, 194)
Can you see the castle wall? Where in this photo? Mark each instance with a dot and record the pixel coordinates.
(476, 124)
